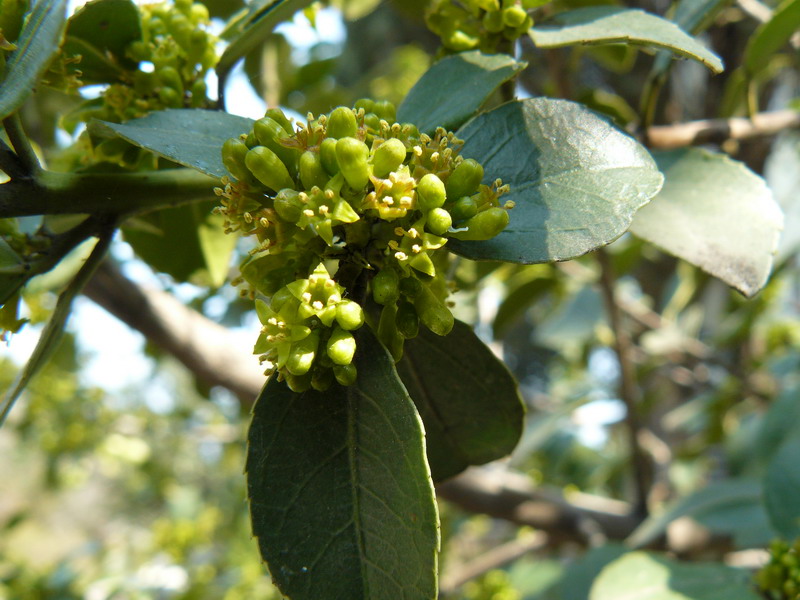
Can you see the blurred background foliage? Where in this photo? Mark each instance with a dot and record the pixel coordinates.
(137, 493)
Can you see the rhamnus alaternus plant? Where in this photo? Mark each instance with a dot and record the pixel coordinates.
(351, 212)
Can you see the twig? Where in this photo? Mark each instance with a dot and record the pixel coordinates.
(629, 392)
(96, 193)
(21, 143)
(493, 559)
(760, 12)
(10, 163)
(716, 131)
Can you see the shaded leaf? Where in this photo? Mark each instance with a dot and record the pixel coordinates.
(100, 31)
(575, 178)
(578, 578)
(203, 243)
(12, 271)
(716, 214)
(37, 44)
(643, 576)
(782, 488)
(340, 493)
(466, 397)
(190, 137)
(771, 36)
(454, 88)
(729, 507)
(612, 25)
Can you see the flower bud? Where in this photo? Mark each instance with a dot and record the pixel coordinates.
(385, 286)
(387, 332)
(265, 165)
(288, 205)
(438, 221)
(407, 320)
(341, 123)
(465, 179)
(341, 347)
(366, 103)
(269, 133)
(433, 312)
(170, 77)
(322, 379)
(277, 115)
(234, 151)
(514, 16)
(464, 208)
(410, 286)
(430, 192)
(388, 157)
(385, 110)
(327, 155)
(345, 374)
(493, 21)
(298, 384)
(351, 155)
(311, 171)
(349, 315)
(484, 226)
(302, 354)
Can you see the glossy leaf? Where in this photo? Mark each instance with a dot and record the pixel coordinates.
(576, 179)
(38, 42)
(614, 25)
(693, 16)
(466, 397)
(643, 576)
(204, 245)
(730, 507)
(782, 488)
(340, 493)
(771, 36)
(100, 31)
(190, 137)
(454, 88)
(716, 214)
(580, 575)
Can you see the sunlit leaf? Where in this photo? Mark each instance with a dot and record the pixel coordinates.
(576, 180)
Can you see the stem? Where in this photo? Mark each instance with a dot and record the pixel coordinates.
(650, 101)
(103, 193)
(628, 390)
(21, 144)
(10, 163)
(752, 98)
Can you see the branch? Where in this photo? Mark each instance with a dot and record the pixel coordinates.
(628, 390)
(204, 347)
(102, 193)
(22, 145)
(716, 131)
(511, 496)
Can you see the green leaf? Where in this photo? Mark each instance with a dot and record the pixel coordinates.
(12, 272)
(38, 42)
(203, 243)
(340, 493)
(575, 178)
(577, 580)
(716, 214)
(771, 36)
(643, 576)
(782, 488)
(728, 507)
(614, 25)
(466, 397)
(522, 292)
(252, 26)
(454, 88)
(190, 137)
(100, 31)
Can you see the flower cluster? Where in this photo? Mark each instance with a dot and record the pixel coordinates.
(172, 58)
(479, 24)
(349, 211)
(780, 577)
